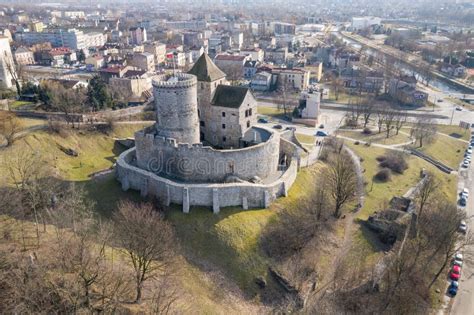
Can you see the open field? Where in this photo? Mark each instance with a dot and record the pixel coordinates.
(455, 131)
(444, 149)
(376, 137)
(97, 151)
(270, 111)
(17, 104)
(305, 139)
(379, 193)
(230, 240)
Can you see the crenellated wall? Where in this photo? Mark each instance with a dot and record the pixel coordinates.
(202, 164)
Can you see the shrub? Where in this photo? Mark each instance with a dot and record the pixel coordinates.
(357, 142)
(395, 161)
(380, 158)
(367, 131)
(383, 175)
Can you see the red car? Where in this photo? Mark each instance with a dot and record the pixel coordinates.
(455, 273)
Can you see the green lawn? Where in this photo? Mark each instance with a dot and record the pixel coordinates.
(230, 240)
(305, 139)
(343, 97)
(17, 104)
(97, 151)
(455, 131)
(444, 149)
(376, 137)
(270, 111)
(378, 193)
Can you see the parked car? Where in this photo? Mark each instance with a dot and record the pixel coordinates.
(465, 193)
(465, 163)
(469, 151)
(453, 288)
(455, 273)
(468, 158)
(458, 108)
(457, 263)
(462, 202)
(263, 120)
(321, 133)
(278, 127)
(321, 126)
(463, 227)
(458, 256)
(290, 128)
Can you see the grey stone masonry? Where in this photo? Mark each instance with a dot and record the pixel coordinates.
(247, 195)
(215, 200)
(176, 107)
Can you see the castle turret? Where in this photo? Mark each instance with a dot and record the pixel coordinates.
(176, 107)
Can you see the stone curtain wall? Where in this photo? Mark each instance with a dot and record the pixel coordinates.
(246, 195)
(196, 163)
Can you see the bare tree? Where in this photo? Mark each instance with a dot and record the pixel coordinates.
(367, 111)
(400, 120)
(441, 226)
(147, 239)
(424, 130)
(426, 192)
(68, 101)
(234, 74)
(10, 126)
(15, 71)
(380, 119)
(336, 86)
(389, 116)
(342, 182)
(284, 88)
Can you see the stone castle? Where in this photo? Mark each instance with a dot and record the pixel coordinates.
(205, 148)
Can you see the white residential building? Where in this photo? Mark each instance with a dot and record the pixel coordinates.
(71, 38)
(6, 64)
(360, 23)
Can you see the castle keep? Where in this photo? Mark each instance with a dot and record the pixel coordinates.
(205, 149)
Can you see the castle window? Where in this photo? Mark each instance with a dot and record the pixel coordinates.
(223, 114)
(202, 124)
(248, 123)
(223, 126)
(250, 112)
(202, 86)
(224, 139)
(246, 113)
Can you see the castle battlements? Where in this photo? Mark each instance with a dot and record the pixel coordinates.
(179, 80)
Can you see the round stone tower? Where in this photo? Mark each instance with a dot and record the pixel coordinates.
(176, 107)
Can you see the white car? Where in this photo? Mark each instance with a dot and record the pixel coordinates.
(469, 151)
(463, 227)
(457, 263)
(458, 108)
(465, 193)
(465, 163)
(458, 256)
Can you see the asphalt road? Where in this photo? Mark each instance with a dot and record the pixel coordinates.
(463, 303)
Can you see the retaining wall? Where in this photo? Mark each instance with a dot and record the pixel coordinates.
(246, 195)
